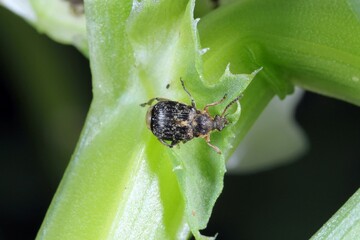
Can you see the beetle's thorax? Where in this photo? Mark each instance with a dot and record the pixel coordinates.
(203, 123)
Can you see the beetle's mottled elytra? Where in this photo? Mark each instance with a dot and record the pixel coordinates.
(177, 122)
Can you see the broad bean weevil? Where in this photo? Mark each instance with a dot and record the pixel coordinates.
(177, 122)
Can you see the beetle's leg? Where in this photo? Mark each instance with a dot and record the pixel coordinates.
(171, 145)
(174, 143)
(215, 103)
(192, 99)
(152, 100)
(165, 143)
(207, 139)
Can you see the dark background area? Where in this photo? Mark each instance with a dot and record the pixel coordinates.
(45, 91)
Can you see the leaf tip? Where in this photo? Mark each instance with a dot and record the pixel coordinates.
(254, 73)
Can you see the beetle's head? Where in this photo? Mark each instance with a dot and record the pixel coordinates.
(220, 122)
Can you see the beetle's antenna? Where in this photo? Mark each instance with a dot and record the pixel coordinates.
(192, 99)
(152, 100)
(215, 103)
(231, 103)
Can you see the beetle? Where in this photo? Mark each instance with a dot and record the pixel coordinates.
(177, 122)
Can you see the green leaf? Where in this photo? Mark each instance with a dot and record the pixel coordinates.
(313, 44)
(122, 182)
(345, 224)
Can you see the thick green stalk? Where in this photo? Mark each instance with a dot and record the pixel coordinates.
(121, 182)
(345, 224)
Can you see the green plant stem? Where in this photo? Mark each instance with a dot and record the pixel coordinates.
(345, 224)
(122, 183)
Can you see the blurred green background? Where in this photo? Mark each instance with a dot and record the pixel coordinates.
(45, 92)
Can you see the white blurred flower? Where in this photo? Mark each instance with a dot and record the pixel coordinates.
(22, 8)
(62, 20)
(274, 139)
